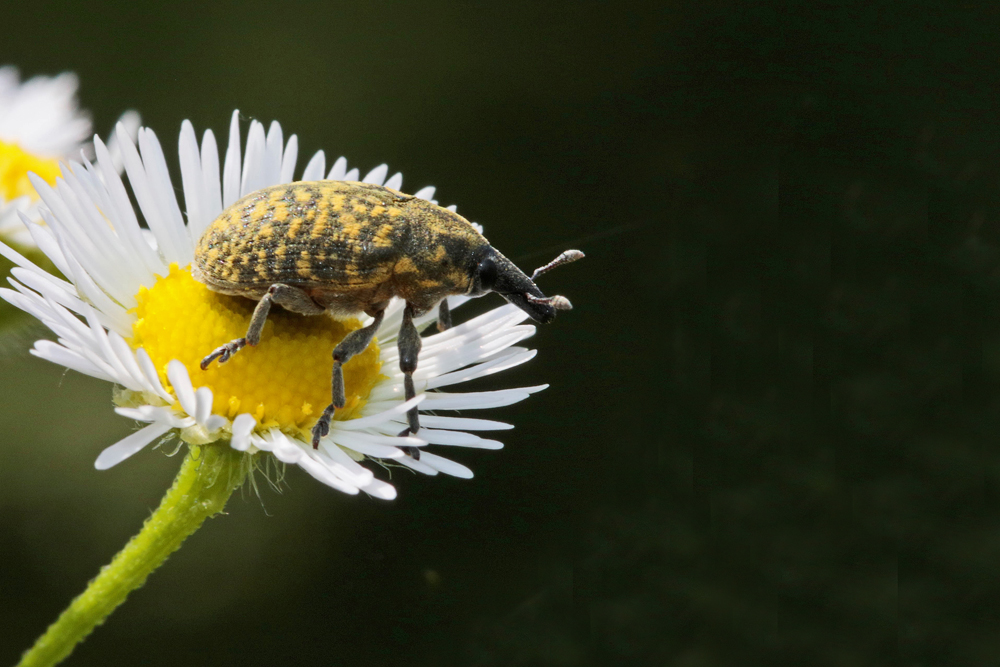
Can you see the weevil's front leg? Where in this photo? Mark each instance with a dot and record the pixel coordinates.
(353, 343)
(409, 350)
(444, 315)
(286, 296)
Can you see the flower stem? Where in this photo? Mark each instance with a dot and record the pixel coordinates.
(208, 476)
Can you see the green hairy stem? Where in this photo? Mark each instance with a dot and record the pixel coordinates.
(207, 478)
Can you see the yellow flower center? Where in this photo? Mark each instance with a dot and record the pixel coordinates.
(15, 164)
(283, 382)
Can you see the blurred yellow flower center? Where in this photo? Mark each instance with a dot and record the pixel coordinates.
(15, 164)
(283, 382)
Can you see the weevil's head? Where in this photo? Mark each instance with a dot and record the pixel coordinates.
(492, 272)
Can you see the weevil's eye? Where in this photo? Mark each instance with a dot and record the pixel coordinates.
(487, 272)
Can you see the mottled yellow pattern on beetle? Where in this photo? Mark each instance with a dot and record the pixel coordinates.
(284, 382)
(15, 164)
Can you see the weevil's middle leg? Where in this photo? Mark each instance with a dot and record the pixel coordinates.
(444, 315)
(286, 296)
(353, 343)
(412, 417)
(409, 350)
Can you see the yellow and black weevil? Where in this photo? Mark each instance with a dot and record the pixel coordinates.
(345, 247)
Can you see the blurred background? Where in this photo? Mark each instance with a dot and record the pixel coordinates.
(772, 431)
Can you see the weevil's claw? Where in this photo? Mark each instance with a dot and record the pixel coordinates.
(322, 427)
(224, 352)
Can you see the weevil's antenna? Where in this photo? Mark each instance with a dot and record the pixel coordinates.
(565, 258)
(614, 231)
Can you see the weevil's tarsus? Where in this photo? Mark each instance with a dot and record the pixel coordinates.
(322, 427)
(353, 343)
(564, 258)
(224, 352)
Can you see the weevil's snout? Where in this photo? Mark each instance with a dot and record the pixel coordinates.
(539, 310)
(498, 274)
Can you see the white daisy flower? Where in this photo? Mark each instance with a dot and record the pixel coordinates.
(40, 124)
(132, 314)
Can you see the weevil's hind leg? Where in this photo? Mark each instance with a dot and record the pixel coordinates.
(353, 343)
(444, 315)
(286, 296)
(409, 351)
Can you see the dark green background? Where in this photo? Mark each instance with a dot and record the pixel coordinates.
(772, 432)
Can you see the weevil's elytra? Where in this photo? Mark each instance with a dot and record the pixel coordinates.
(346, 247)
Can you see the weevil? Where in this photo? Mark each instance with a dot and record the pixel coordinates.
(344, 248)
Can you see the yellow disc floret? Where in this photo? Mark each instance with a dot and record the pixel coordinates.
(283, 382)
(15, 164)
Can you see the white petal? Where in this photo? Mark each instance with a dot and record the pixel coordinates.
(71, 231)
(426, 193)
(143, 413)
(125, 222)
(503, 363)
(150, 181)
(254, 165)
(410, 462)
(51, 287)
(192, 180)
(377, 175)
(315, 168)
(380, 489)
(446, 466)
(100, 337)
(283, 448)
(346, 439)
(338, 170)
(375, 419)
(215, 422)
(477, 400)
(126, 357)
(212, 186)
(181, 382)
(131, 121)
(456, 438)
(47, 243)
(149, 370)
(321, 472)
(462, 423)
(395, 181)
(117, 316)
(231, 177)
(59, 355)
(288, 160)
(343, 465)
(129, 445)
(152, 413)
(243, 426)
(203, 405)
(272, 154)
